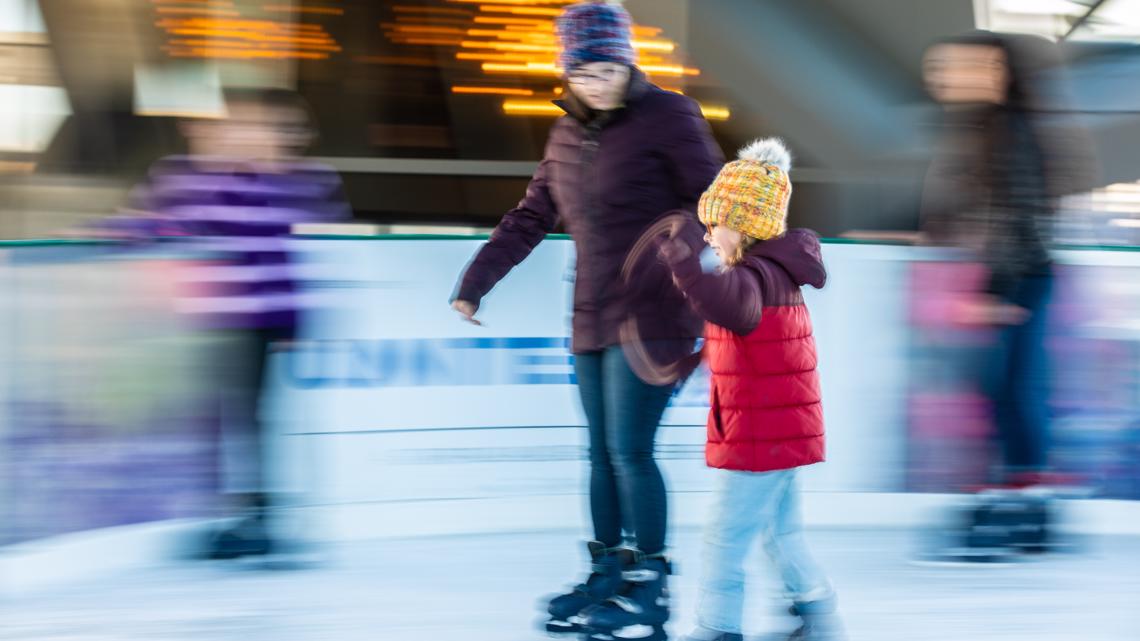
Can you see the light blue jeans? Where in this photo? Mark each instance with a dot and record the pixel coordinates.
(751, 505)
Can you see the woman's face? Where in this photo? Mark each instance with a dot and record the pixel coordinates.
(725, 242)
(600, 85)
(957, 73)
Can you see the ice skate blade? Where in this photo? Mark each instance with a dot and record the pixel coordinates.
(629, 633)
(559, 629)
(970, 558)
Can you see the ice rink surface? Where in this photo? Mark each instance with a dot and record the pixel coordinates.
(485, 588)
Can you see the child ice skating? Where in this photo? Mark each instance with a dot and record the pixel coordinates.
(766, 419)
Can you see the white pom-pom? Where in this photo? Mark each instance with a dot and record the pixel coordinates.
(768, 150)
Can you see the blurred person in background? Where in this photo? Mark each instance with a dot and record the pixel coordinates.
(766, 413)
(234, 198)
(993, 191)
(625, 154)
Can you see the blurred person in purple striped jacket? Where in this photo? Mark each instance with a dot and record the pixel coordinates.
(234, 198)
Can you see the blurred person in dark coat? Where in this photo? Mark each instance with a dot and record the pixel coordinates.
(1005, 158)
(993, 189)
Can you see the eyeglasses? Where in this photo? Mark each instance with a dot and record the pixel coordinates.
(585, 77)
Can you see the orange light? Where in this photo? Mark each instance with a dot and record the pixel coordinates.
(494, 91)
(663, 46)
(516, 2)
(507, 46)
(496, 57)
(522, 11)
(715, 113)
(517, 107)
(511, 35)
(198, 11)
(535, 68)
(531, 108)
(225, 52)
(16, 167)
(648, 32)
(517, 37)
(403, 28)
(516, 28)
(530, 22)
(484, 33)
(182, 42)
(669, 70)
(430, 42)
(327, 11)
(248, 35)
(431, 10)
(256, 25)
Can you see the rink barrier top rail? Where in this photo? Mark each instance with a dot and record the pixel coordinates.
(82, 242)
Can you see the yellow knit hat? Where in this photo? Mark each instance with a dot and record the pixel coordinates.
(750, 195)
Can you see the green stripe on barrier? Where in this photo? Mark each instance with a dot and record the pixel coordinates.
(89, 242)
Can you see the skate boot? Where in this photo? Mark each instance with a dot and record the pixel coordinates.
(246, 539)
(819, 621)
(1032, 531)
(249, 537)
(603, 582)
(980, 532)
(640, 608)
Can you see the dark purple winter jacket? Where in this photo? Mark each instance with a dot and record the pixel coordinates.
(608, 177)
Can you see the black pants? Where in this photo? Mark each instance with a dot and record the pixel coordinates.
(1019, 381)
(241, 377)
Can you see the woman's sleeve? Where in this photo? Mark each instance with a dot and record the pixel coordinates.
(515, 237)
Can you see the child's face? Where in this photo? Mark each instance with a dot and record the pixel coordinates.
(251, 131)
(263, 132)
(725, 242)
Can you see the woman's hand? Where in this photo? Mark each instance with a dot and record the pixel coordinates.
(467, 310)
(989, 310)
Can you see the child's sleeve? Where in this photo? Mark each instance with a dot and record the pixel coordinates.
(333, 205)
(731, 299)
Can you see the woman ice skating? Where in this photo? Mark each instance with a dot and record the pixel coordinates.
(625, 154)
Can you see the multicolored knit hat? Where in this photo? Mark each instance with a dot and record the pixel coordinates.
(750, 195)
(595, 32)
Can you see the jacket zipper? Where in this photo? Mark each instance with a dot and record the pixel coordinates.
(590, 146)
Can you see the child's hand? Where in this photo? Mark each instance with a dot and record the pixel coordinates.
(673, 251)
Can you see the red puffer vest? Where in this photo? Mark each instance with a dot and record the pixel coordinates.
(766, 409)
